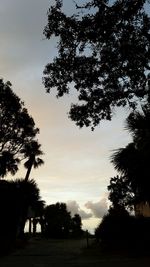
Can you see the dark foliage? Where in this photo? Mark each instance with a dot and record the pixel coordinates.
(17, 130)
(59, 224)
(132, 163)
(57, 220)
(104, 53)
(121, 192)
(15, 199)
(28, 195)
(112, 227)
(76, 226)
(119, 231)
(8, 210)
(32, 152)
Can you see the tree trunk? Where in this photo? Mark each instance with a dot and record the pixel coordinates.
(30, 226)
(29, 169)
(21, 227)
(34, 226)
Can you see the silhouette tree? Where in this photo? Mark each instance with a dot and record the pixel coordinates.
(132, 162)
(138, 124)
(59, 223)
(115, 229)
(15, 199)
(17, 130)
(27, 195)
(8, 213)
(108, 64)
(119, 231)
(121, 193)
(32, 151)
(57, 220)
(76, 226)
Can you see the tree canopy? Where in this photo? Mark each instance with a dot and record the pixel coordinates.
(59, 223)
(57, 220)
(15, 199)
(121, 192)
(104, 53)
(17, 130)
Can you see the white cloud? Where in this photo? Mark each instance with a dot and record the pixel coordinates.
(74, 208)
(99, 208)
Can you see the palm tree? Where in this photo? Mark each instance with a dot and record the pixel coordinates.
(138, 124)
(27, 194)
(132, 161)
(32, 151)
(127, 161)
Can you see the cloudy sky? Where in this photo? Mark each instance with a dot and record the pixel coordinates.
(77, 165)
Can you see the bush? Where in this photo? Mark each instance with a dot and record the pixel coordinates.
(124, 232)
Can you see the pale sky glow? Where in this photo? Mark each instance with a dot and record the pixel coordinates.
(77, 165)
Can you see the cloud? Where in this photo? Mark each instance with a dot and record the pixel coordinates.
(85, 215)
(99, 208)
(74, 208)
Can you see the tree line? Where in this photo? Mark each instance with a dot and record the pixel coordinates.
(60, 224)
(18, 142)
(127, 223)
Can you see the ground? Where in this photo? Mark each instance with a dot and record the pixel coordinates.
(66, 253)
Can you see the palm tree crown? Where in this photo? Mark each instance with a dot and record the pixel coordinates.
(132, 161)
(32, 151)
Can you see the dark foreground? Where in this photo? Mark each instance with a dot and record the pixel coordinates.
(72, 253)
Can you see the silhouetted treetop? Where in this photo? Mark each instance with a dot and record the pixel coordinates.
(59, 223)
(32, 152)
(57, 220)
(104, 53)
(17, 130)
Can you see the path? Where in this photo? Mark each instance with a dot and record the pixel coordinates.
(63, 253)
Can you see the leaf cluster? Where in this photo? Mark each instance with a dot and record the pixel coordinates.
(17, 130)
(104, 52)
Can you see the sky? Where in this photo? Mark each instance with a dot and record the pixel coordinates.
(77, 165)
